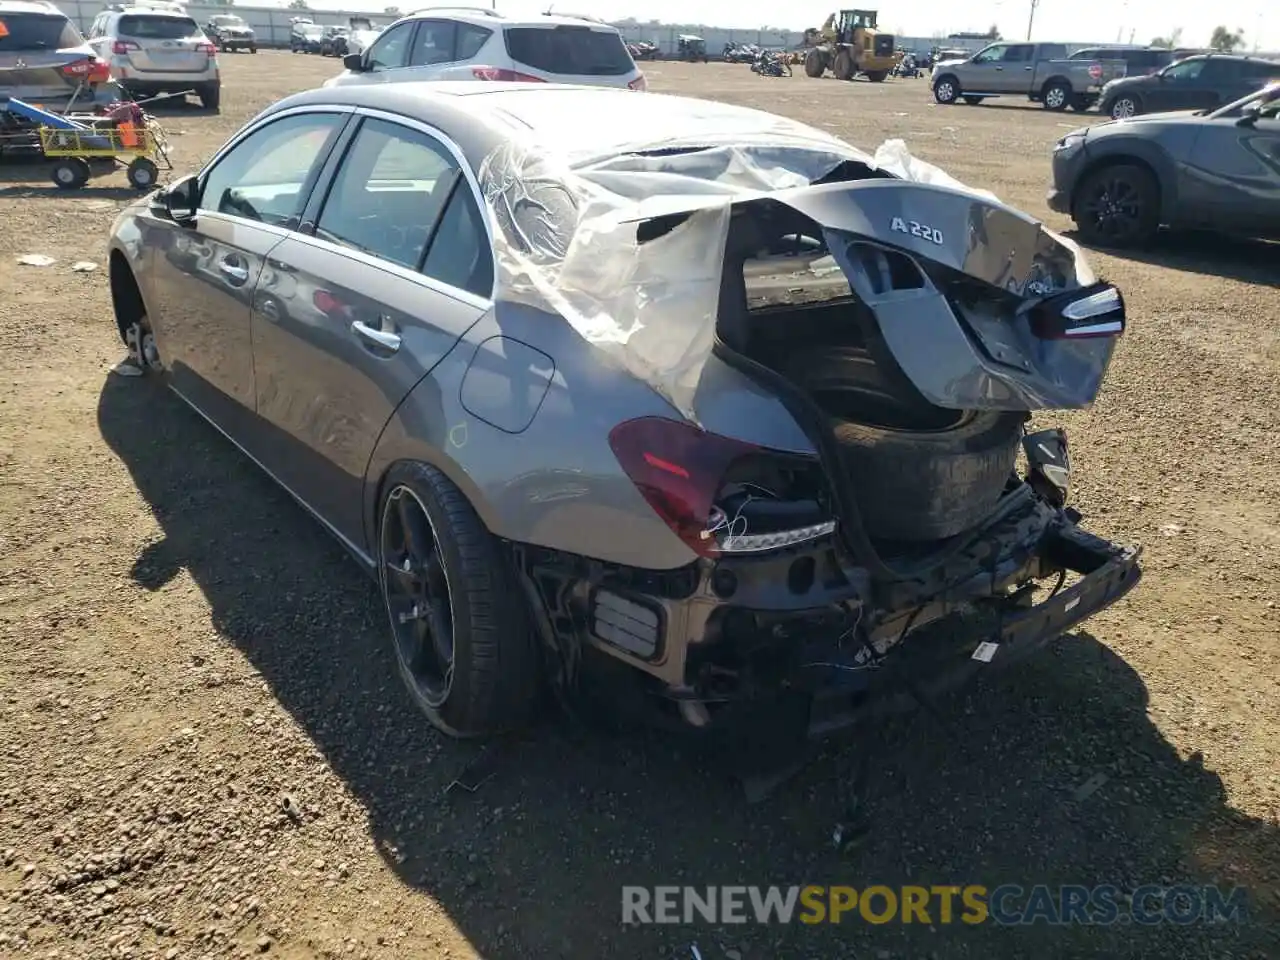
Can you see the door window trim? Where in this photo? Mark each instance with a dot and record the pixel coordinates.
(343, 113)
(329, 172)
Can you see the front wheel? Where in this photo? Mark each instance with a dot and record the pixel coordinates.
(70, 173)
(461, 630)
(946, 90)
(1123, 107)
(877, 76)
(1117, 206)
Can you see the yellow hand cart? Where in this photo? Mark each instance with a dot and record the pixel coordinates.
(142, 148)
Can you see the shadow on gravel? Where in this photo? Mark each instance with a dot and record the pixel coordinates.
(1232, 258)
(531, 864)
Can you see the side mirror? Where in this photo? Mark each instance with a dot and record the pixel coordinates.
(354, 62)
(181, 199)
(1249, 115)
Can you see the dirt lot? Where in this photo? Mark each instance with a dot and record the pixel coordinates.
(204, 750)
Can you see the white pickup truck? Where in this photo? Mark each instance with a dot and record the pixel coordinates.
(1038, 71)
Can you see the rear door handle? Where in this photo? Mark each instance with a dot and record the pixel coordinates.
(384, 339)
(233, 272)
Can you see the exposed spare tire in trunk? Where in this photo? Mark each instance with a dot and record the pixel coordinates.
(918, 472)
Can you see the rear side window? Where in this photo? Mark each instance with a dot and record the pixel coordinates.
(470, 39)
(157, 28)
(1262, 70)
(459, 254)
(577, 51)
(34, 31)
(1050, 51)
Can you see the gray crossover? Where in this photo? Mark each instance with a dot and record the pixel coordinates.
(701, 421)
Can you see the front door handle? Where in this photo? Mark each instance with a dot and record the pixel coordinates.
(383, 338)
(233, 271)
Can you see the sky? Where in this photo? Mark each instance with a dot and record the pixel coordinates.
(1101, 21)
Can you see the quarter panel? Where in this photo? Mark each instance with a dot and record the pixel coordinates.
(557, 484)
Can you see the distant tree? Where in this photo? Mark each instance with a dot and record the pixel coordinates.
(1173, 40)
(1224, 40)
(298, 5)
(391, 11)
(993, 32)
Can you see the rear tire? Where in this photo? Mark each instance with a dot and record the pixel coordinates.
(1057, 96)
(877, 76)
(142, 173)
(929, 484)
(918, 472)
(211, 96)
(492, 680)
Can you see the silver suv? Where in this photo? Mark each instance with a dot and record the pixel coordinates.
(158, 49)
(43, 58)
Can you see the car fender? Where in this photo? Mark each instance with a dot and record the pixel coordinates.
(1114, 149)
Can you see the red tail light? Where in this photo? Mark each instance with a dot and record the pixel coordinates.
(678, 469)
(1095, 71)
(124, 46)
(91, 70)
(639, 83)
(504, 76)
(208, 48)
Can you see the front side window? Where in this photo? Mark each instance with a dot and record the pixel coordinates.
(992, 54)
(265, 177)
(433, 44)
(388, 193)
(389, 50)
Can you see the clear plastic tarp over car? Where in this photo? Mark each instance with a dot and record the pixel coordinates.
(567, 218)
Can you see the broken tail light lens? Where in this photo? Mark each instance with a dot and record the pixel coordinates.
(500, 75)
(1095, 311)
(1048, 464)
(678, 469)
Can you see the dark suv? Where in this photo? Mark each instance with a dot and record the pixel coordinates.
(1204, 82)
(44, 59)
(1140, 61)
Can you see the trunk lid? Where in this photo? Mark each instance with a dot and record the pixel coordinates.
(34, 47)
(164, 43)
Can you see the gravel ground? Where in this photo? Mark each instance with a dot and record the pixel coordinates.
(204, 750)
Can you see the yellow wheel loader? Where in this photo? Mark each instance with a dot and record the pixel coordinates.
(849, 44)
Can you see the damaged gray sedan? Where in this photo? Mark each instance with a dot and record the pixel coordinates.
(640, 394)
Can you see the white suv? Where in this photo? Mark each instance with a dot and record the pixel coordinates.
(156, 48)
(469, 43)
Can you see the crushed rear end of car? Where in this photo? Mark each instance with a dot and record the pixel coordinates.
(897, 528)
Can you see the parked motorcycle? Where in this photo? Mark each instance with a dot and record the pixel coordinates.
(769, 64)
(907, 68)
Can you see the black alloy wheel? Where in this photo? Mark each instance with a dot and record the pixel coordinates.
(1117, 206)
(418, 597)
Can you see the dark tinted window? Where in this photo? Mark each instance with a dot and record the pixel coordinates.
(35, 31)
(388, 193)
(1262, 70)
(433, 44)
(459, 254)
(470, 39)
(1220, 70)
(157, 28)
(579, 51)
(1051, 51)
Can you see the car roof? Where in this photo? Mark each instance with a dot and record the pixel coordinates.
(550, 117)
(485, 17)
